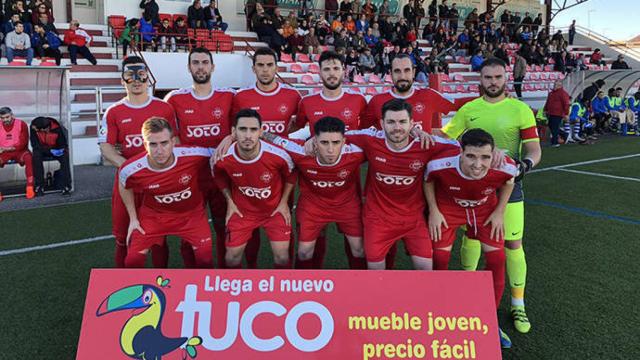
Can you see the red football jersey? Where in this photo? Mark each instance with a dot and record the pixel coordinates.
(202, 121)
(326, 187)
(425, 103)
(276, 107)
(394, 179)
(256, 185)
(456, 192)
(348, 107)
(122, 124)
(168, 191)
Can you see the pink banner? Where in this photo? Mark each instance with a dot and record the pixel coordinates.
(269, 314)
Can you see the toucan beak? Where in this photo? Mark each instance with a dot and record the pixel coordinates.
(126, 298)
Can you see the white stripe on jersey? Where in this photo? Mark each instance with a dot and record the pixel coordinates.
(278, 152)
(373, 132)
(178, 152)
(443, 163)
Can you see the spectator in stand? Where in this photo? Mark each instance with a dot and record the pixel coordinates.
(258, 15)
(572, 32)
(181, 30)
(346, 8)
(463, 40)
(443, 14)
(571, 63)
(362, 24)
(266, 33)
(129, 36)
(357, 42)
(557, 110)
(48, 140)
(371, 40)
(330, 9)
(18, 43)
(44, 20)
(454, 16)
(472, 19)
(312, 43)
(349, 24)
(537, 23)
(195, 15)
(526, 35)
(166, 35)
(213, 18)
(46, 43)
(41, 9)
(148, 34)
(77, 40)
(409, 12)
(428, 31)
(384, 9)
(558, 37)
(519, 73)
(620, 64)
(342, 40)
(369, 10)
(366, 62)
(501, 53)
(10, 25)
(33, 5)
(25, 15)
(336, 24)
(383, 59)
(150, 10)
(560, 62)
(580, 63)
(539, 57)
(14, 146)
(476, 60)
(596, 57)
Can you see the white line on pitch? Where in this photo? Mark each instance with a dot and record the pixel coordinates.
(598, 174)
(584, 163)
(56, 245)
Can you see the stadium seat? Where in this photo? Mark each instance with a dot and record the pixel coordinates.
(286, 58)
(474, 88)
(307, 80)
(47, 62)
(457, 77)
(202, 34)
(387, 79)
(314, 68)
(386, 89)
(448, 89)
(534, 76)
(539, 86)
(553, 76)
(528, 87)
(316, 57)
(371, 91)
(374, 79)
(316, 90)
(297, 69)
(359, 79)
(537, 68)
(225, 46)
(551, 61)
(116, 21)
(445, 78)
(303, 58)
(191, 33)
(548, 68)
(544, 76)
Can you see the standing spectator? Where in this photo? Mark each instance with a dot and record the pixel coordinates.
(46, 43)
(527, 20)
(129, 36)
(409, 12)
(213, 18)
(516, 21)
(590, 92)
(472, 19)
(14, 146)
(620, 64)
(330, 9)
(369, 10)
(77, 40)
(572, 32)
(557, 110)
(18, 43)
(346, 8)
(150, 10)
(384, 9)
(41, 9)
(443, 14)
(519, 72)
(537, 23)
(166, 35)
(596, 57)
(195, 15)
(48, 139)
(453, 18)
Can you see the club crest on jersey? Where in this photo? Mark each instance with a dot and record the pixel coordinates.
(266, 177)
(217, 113)
(419, 107)
(184, 179)
(343, 174)
(487, 191)
(347, 113)
(283, 108)
(416, 165)
(103, 131)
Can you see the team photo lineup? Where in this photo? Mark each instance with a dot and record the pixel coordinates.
(241, 153)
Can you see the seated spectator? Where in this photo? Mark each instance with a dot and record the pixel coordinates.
(369, 10)
(463, 39)
(287, 29)
(501, 53)
(33, 5)
(370, 39)
(311, 42)
(213, 18)
(342, 40)
(366, 62)
(129, 35)
(476, 60)
(351, 62)
(526, 34)
(48, 140)
(600, 108)
(357, 42)
(166, 35)
(350, 25)
(10, 25)
(77, 40)
(558, 37)
(580, 63)
(620, 64)
(14, 146)
(428, 31)
(336, 24)
(195, 15)
(46, 43)
(24, 14)
(47, 23)
(375, 30)
(181, 30)
(571, 63)
(41, 9)
(151, 11)
(362, 24)
(596, 57)
(148, 34)
(411, 35)
(539, 57)
(18, 43)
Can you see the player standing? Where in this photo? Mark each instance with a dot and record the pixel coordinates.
(329, 189)
(167, 177)
(120, 127)
(204, 119)
(463, 189)
(512, 125)
(255, 178)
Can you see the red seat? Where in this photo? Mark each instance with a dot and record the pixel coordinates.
(553, 76)
(116, 21)
(286, 58)
(460, 89)
(371, 91)
(534, 76)
(537, 68)
(528, 87)
(191, 33)
(296, 69)
(307, 79)
(316, 90)
(387, 79)
(474, 88)
(303, 58)
(164, 17)
(457, 77)
(314, 69)
(202, 34)
(225, 46)
(374, 79)
(18, 62)
(548, 68)
(47, 62)
(386, 89)
(544, 76)
(359, 79)
(117, 33)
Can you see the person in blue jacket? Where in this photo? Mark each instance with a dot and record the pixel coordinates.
(600, 109)
(46, 43)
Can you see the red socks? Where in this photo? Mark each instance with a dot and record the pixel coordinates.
(441, 259)
(495, 262)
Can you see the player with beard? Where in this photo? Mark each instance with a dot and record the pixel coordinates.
(203, 115)
(336, 102)
(512, 125)
(121, 126)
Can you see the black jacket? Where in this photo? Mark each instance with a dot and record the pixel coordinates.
(208, 16)
(151, 9)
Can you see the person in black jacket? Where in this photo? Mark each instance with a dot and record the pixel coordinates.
(48, 140)
(151, 10)
(212, 17)
(195, 16)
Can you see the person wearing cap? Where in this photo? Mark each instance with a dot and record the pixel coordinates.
(14, 142)
(48, 140)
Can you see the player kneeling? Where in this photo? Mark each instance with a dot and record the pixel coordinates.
(463, 189)
(172, 202)
(328, 189)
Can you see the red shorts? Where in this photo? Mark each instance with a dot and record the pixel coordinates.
(17, 156)
(311, 220)
(380, 235)
(473, 219)
(239, 229)
(191, 227)
(119, 214)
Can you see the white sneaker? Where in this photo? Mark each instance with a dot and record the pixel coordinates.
(569, 140)
(578, 138)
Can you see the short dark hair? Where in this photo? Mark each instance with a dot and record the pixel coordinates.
(493, 61)
(18, 23)
(264, 51)
(131, 60)
(5, 110)
(200, 50)
(330, 55)
(247, 113)
(402, 56)
(476, 137)
(396, 105)
(329, 124)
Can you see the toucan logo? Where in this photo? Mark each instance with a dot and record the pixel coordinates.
(141, 336)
